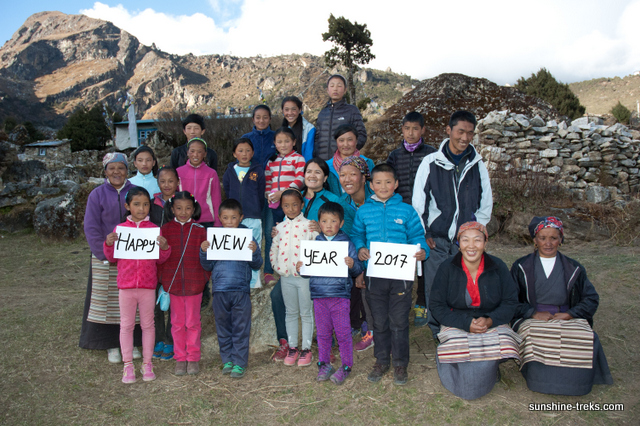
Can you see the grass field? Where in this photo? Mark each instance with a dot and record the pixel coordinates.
(47, 379)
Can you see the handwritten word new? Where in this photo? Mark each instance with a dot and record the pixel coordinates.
(225, 243)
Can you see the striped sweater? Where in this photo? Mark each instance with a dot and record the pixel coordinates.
(285, 172)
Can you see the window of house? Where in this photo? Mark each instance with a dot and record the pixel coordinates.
(144, 134)
(42, 151)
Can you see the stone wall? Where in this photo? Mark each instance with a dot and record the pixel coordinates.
(593, 161)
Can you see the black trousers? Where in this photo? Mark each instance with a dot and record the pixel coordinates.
(390, 303)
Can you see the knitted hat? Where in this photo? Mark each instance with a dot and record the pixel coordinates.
(473, 225)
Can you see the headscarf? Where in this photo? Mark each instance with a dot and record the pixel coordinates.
(539, 223)
(358, 163)
(473, 225)
(114, 157)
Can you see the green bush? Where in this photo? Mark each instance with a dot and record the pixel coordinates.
(86, 129)
(544, 86)
(621, 113)
(362, 103)
(10, 123)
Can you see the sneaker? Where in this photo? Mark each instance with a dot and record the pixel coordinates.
(340, 376)
(421, 316)
(114, 356)
(157, 350)
(136, 353)
(282, 351)
(167, 353)
(237, 372)
(147, 372)
(193, 367)
(324, 371)
(306, 357)
(128, 373)
(227, 367)
(365, 343)
(400, 376)
(377, 372)
(292, 357)
(269, 279)
(181, 368)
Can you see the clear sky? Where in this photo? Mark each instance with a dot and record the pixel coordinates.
(497, 39)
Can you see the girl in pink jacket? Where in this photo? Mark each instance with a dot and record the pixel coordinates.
(137, 282)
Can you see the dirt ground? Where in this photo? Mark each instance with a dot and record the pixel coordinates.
(47, 379)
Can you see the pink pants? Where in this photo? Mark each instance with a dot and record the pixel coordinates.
(144, 300)
(186, 327)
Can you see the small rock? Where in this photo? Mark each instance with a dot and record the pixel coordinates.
(597, 194)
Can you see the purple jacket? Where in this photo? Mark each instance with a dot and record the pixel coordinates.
(105, 210)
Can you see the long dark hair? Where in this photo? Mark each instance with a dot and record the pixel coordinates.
(128, 197)
(289, 133)
(182, 195)
(144, 148)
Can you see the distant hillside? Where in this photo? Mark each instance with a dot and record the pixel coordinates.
(601, 94)
(56, 62)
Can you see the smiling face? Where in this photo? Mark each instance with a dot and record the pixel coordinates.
(284, 143)
(168, 183)
(291, 206)
(472, 244)
(291, 112)
(336, 89)
(261, 119)
(183, 210)
(548, 240)
(139, 207)
(230, 218)
(460, 136)
(347, 144)
(243, 153)
(351, 180)
(193, 130)
(330, 223)
(314, 177)
(116, 174)
(412, 132)
(144, 162)
(384, 185)
(196, 153)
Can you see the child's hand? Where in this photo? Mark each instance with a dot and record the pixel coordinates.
(314, 227)
(274, 232)
(252, 245)
(360, 281)
(298, 266)
(349, 262)
(363, 254)
(420, 255)
(162, 241)
(205, 245)
(111, 238)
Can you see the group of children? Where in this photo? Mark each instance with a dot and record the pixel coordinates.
(184, 201)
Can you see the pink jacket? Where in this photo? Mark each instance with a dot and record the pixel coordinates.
(203, 183)
(136, 273)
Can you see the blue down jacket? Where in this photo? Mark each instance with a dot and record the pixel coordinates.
(231, 275)
(321, 287)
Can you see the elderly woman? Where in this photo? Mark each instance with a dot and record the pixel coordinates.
(473, 298)
(346, 137)
(557, 302)
(105, 210)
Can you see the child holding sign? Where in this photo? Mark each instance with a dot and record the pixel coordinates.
(331, 299)
(284, 255)
(184, 279)
(231, 290)
(387, 219)
(137, 282)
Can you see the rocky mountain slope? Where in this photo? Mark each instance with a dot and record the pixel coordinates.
(601, 94)
(56, 62)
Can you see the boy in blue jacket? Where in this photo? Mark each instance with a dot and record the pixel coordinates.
(244, 181)
(331, 298)
(231, 300)
(387, 219)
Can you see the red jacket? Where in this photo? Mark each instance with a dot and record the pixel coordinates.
(190, 277)
(136, 273)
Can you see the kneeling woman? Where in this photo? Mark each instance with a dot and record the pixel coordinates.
(472, 300)
(557, 305)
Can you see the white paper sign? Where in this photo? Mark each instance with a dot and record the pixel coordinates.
(324, 258)
(393, 261)
(136, 243)
(229, 243)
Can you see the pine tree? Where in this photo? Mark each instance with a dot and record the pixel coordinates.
(86, 129)
(544, 86)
